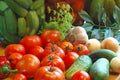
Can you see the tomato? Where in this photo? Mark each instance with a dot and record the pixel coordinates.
(81, 49)
(50, 36)
(53, 60)
(49, 73)
(37, 51)
(53, 49)
(77, 5)
(28, 65)
(66, 46)
(81, 75)
(70, 58)
(19, 76)
(31, 41)
(12, 48)
(14, 58)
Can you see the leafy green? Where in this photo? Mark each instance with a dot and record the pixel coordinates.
(105, 26)
(61, 19)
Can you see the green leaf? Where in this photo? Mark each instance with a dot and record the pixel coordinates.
(86, 16)
(87, 26)
(116, 14)
(108, 33)
(96, 33)
(101, 11)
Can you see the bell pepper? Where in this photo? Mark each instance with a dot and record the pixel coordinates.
(5, 67)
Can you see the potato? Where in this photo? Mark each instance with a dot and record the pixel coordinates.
(93, 44)
(110, 43)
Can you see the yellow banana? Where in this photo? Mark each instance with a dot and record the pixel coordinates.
(32, 22)
(22, 27)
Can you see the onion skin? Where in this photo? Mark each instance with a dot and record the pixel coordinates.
(77, 35)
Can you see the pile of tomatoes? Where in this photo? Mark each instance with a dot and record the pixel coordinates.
(44, 57)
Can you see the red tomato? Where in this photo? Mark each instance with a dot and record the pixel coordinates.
(81, 49)
(28, 65)
(70, 58)
(81, 75)
(53, 60)
(31, 41)
(77, 5)
(37, 51)
(66, 46)
(19, 76)
(50, 36)
(53, 49)
(49, 73)
(13, 48)
(14, 58)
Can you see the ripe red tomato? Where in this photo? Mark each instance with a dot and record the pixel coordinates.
(28, 65)
(49, 73)
(50, 36)
(14, 58)
(81, 49)
(53, 49)
(53, 60)
(66, 46)
(37, 51)
(70, 58)
(31, 41)
(77, 5)
(13, 48)
(81, 75)
(19, 76)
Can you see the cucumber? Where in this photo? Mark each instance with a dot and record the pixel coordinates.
(83, 62)
(100, 69)
(102, 53)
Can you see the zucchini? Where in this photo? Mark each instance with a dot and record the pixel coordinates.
(100, 69)
(83, 62)
(102, 53)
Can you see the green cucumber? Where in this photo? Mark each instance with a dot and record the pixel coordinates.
(100, 69)
(102, 53)
(83, 62)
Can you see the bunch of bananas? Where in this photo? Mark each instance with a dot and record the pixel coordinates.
(19, 18)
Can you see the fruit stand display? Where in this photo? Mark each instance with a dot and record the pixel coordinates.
(59, 39)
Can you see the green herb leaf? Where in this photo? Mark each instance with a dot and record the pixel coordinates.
(108, 33)
(86, 16)
(88, 26)
(116, 14)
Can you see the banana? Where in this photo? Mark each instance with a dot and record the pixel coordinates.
(16, 8)
(32, 22)
(3, 6)
(24, 3)
(8, 38)
(11, 21)
(37, 4)
(22, 27)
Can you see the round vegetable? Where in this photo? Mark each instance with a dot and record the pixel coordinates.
(77, 35)
(28, 65)
(31, 41)
(53, 60)
(81, 75)
(49, 73)
(69, 59)
(14, 48)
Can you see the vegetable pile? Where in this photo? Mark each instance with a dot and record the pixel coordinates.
(59, 40)
(47, 57)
